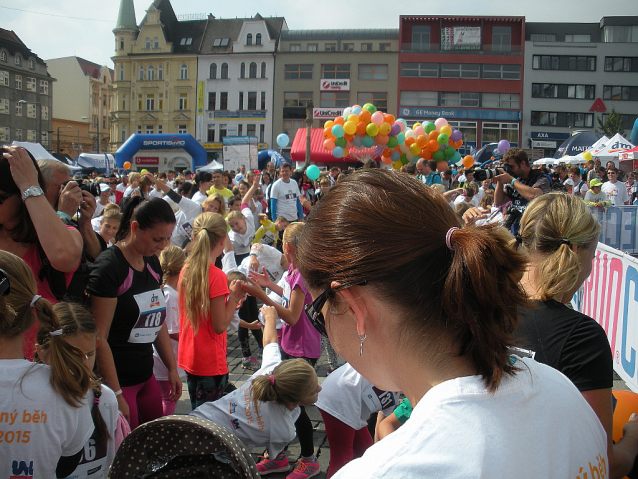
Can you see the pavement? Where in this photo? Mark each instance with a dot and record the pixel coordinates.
(238, 375)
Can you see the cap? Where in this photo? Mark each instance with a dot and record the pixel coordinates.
(595, 182)
(104, 187)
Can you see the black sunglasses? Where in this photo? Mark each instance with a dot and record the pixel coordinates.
(5, 286)
(313, 310)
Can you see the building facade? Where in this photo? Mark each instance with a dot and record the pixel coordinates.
(25, 93)
(575, 74)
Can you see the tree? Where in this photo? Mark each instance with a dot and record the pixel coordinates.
(612, 124)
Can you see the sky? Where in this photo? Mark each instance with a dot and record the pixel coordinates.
(84, 27)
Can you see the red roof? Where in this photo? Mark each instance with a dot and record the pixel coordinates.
(318, 154)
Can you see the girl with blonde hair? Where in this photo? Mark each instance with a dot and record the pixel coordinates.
(206, 307)
(215, 204)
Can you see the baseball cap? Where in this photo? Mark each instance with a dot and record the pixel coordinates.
(595, 182)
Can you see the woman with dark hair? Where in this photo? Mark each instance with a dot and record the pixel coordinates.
(431, 310)
(31, 229)
(129, 310)
(201, 184)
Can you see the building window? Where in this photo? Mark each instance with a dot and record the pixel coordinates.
(155, 42)
(298, 72)
(494, 132)
(4, 106)
(3, 55)
(139, 129)
(297, 99)
(121, 73)
(5, 132)
(31, 65)
(213, 71)
(18, 135)
(140, 102)
(577, 38)
(121, 44)
(564, 119)
(620, 34)
(241, 100)
(419, 98)
(149, 129)
(186, 41)
(147, 43)
(460, 99)
(31, 110)
(258, 39)
(183, 72)
(295, 47)
(160, 72)
(460, 70)
(334, 99)
(501, 39)
(332, 71)
(348, 47)
(621, 64)
(620, 93)
(262, 133)
(501, 72)
(564, 62)
(501, 100)
(160, 101)
(31, 135)
(124, 103)
(290, 127)
(223, 131)
(4, 78)
(366, 47)
(373, 72)
(627, 121)
(44, 112)
(252, 70)
(183, 101)
(331, 47)
(252, 100)
(251, 130)
(543, 37)
(159, 129)
(263, 69)
(18, 60)
(223, 100)
(212, 100)
(182, 129)
(150, 102)
(378, 99)
(45, 137)
(312, 47)
(141, 73)
(249, 39)
(240, 130)
(263, 100)
(30, 84)
(224, 75)
(123, 135)
(18, 108)
(420, 38)
(210, 136)
(150, 73)
(558, 90)
(385, 47)
(242, 70)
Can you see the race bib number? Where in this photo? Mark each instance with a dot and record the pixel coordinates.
(378, 400)
(152, 306)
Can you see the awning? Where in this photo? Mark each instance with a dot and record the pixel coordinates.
(318, 154)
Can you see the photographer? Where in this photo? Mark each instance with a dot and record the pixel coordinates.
(519, 183)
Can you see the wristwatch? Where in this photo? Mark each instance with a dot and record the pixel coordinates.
(32, 191)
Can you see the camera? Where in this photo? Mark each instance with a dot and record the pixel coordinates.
(481, 174)
(511, 215)
(90, 187)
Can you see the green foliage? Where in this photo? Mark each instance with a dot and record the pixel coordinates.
(611, 125)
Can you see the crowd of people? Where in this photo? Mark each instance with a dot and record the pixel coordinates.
(440, 299)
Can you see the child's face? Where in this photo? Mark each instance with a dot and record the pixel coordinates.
(235, 206)
(238, 225)
(109, 228)
(313, 393)
(212, 207)
(87, 343)
(281, 225)
(242, 189)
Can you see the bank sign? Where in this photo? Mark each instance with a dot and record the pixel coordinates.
(335, 85)
(460, 114)
(326, 113)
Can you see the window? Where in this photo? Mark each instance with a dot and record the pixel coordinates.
(501, 39)
(263, 69)
(249, 39)
(242, 70)
(4, 106)
(212, 100)
(18, 60)
(620, 93)
(252, 70)
(263, 100)
(621, 64)
(149, 129)
(223, 131)
(258, 39)
(501, 72)
(332, 72)
(366, 47)
(384, 47)
(45, 137)
(183, 72)
(139, 129)
(4, 134)
(577, 38)
(150, 102)
(241, 100)
(312, 47)
(150, 73)
(32, 66)
(240, 130)
(140, 100)
(621, 34)
(159, 129)
(373, 72)
(30, 84)
(124, 102)
(290, 127)
(543, 37)
(18, 134)
(183, 101)
(147, 43)
(334, 99)
(4, 78)
(221, 42)
(213, 71)
(297, 99)
(501, 100)
(262, 133)
(331, 47)
(564, 119)
(460, 70)
(123, 135)
(210, 137)
(564, 62)
(155, 42)
(141, 73)
(44, 112)
(160, 72)
(295, 47)
(298, 72)
(419, 98)
(251, 130)
(121, 44)
(223, 100)
(18, 108)
(420, 37)
(186, 41)
(378, 99)
(627, 121)
(494, 132)
(252, 100)
(182, 129)
(419, 70)
(463, 99)
(348, 47)
(3, 55)
(121, 73)
(224, 75)
(160, 101)
(31, 110)
(559, 90)
(31, 135)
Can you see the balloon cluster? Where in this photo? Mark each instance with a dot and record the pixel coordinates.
(392, 139)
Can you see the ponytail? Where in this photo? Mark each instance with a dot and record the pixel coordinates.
(147, 213)
(289, 383)
(172, 260)
(101, 429)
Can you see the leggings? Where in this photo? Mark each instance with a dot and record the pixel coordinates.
(249, 312)
(345, 442)
(202, 389)
(144, 402)
(167, 405)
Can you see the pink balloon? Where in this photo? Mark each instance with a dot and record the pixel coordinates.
(440, 122)
(381, 139)
(419, 131)
(350, 144)
(377, 118)
(329, 145)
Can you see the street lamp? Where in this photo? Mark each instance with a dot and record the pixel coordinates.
(39, 117)
(98, 131)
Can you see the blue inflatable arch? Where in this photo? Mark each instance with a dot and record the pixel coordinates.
(180, 141)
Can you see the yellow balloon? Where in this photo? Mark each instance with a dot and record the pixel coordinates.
(350, 127)
(144, 171)
(416, 125)
(384, 128)
(329, 124)
(415, 149)
(446, 129)
(353, 117)
(372, 129)
(587, 156)
(397, 165)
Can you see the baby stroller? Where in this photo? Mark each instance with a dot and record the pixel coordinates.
(182, 446)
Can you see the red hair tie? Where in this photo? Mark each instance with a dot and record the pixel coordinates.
(272, 379)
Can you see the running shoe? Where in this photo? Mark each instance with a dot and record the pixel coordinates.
(269, 466)
(305, 469)
(250, 363)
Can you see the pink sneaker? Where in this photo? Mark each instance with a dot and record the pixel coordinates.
(269, 466)
(305, 469)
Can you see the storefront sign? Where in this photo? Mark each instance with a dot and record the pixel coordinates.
(326, 113)
(212, 146)
(543, 144)
(548, 135)
(239, 115)
(335, 85)
(458, 113)
(146, 160)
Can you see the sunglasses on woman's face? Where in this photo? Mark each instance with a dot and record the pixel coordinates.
(313, 311)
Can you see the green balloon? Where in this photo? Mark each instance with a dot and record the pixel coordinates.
(443, 139)
(404, 159)
(438, 155)
(392, 142)
(449, 152)
(342, 142)
(429, 126)
(370, 107)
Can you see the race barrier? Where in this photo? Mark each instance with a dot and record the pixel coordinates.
(610, 296)
(620, 228)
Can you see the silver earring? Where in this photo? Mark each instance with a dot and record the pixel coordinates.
(361, 338)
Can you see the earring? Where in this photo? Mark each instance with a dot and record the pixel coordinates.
(361, 338)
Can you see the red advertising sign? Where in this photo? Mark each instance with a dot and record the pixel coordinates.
(598, 106)
(147, 160)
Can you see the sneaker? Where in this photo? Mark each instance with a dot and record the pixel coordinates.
(305, 469)
(269, 466)
(250, 363)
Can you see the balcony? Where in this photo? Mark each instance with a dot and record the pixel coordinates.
(485, 49)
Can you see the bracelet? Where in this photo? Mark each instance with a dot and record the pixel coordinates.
(62, 214)
(118, 392)
(512, 182)
(230, 297)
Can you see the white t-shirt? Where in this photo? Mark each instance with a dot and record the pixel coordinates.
(272, 425)
(172, 323)
(535, 425)
(156, 193)
(616, 192)
(268, 257)
(241, 243)
(283, 284)
(199, 197)
(37, 424)
(461, 199)
(99, 207)
(184, 220)
(97, 458)
(121, 187)
(350, 398)
(286, 195)
(128, 191)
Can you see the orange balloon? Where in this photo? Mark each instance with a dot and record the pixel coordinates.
(426, 154)
(348, 137)
(389, 118)
(432, 146)
(381, 139)
(327, 134)
(361, 128)
(433, 135)
(127, 165)
(441, 166)
(386, 152)
(364, 116)
(468, 161)
(339, 121)
(421, 141)
(386, 160)
(409, 140)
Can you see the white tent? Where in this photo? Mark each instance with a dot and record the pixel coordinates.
(213, 165)
(36, 149)
(616, 145)
(544, 161)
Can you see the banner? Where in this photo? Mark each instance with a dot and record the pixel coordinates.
(620, 229)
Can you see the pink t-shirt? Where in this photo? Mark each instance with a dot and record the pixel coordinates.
(301, 340)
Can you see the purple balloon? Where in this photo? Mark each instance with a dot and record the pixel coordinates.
(456, 135)
(503, 146)
(379, 149)
(395, 129)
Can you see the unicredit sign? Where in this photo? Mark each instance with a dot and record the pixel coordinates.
(335, 85)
